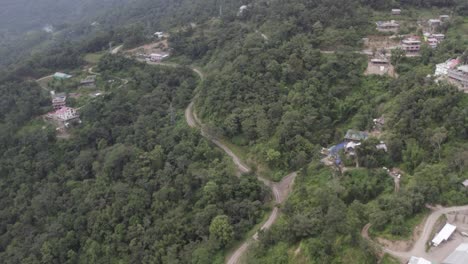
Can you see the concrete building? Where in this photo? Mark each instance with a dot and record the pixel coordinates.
(443, 68)
(444, 234)
(459, 75)
(444, 18)
(411, 44)
(432, 42)
(89, 81)
(396, 12)
(64, 114)
(387, 26)
(459, 256)
(157, 57)
(59, 100)
(159, 34)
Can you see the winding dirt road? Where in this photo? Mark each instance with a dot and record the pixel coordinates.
(280, 190)
(419, 247)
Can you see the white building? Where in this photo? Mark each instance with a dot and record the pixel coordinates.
(396, 12)
(459, 256)
(159, 34)
(444, 234)
(460, 75)
(443, 68)
(411, 45)
(157, 57)
(387, 26)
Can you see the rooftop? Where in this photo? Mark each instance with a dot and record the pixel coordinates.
(62, 75)
(356, 135)
(463, 68)
(459, 256)
(444, 234)
(416, 260)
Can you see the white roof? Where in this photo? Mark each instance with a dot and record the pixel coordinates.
(459, 256)
(444, 234)
(352, 145)
(416, 260)
(463, 68)
(465, 183)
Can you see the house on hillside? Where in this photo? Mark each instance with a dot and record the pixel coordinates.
(356, 136)
(434, 23)
(412, 44)
(158, 57)
(444, 234)
(396, 12)
(460, 75)
(387, 26)
(61, 76)
(443, 68)
(58, 100)
(64, 114)
(459, 256)
(432, 42)
(159, 34)
(89, 81)
(444, 18)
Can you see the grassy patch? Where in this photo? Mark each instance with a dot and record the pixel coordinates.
(93, 58)
(387, 259)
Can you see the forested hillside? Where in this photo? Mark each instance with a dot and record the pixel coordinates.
(134, 184)
(282, 82)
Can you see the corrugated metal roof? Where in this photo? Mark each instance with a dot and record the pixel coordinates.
(444, 234)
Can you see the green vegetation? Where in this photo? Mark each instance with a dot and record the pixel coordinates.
(134, 184)
(93, 58)
(149, 188)
(389, 260)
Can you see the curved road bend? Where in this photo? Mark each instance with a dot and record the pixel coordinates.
(419, 247)
(280, 190)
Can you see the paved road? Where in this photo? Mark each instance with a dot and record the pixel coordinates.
(419, 247)
(280, 190)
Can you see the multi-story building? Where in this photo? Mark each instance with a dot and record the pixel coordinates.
(59, 100)
(387, 26)
(459, 75)
(411, 44)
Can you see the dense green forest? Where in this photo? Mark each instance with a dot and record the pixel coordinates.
(134, 184)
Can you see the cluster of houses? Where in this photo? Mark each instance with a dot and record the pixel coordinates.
(352, 140)
(413, 43)
(62, 113)
(453, 71)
